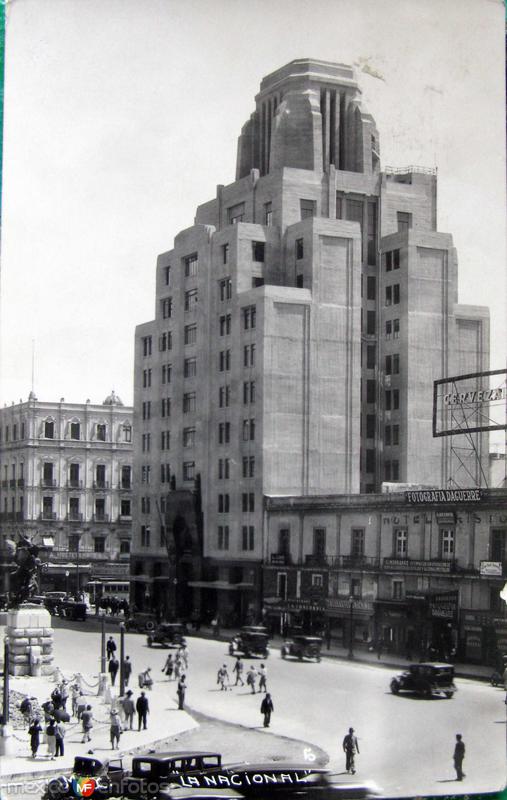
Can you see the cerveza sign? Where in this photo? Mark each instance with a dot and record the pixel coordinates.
(480, 396)
(431, 496)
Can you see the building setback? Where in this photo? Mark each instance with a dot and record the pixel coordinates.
(299, 325)
(66, 481)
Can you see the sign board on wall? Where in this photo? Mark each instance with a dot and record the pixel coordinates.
(491, 568)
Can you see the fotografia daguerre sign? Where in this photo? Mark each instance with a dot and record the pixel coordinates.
(444, 496)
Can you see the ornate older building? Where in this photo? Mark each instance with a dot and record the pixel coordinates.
(66, 481)
(299, 325)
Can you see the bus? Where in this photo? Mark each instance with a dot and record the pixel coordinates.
(107, 589)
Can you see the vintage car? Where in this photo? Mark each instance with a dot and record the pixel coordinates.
(301, 646)
(152, 776)
(140, 621)
(106, 775)
(52, 601)
(72, 609)
(252, 640)
(168, 634)
(426, 679)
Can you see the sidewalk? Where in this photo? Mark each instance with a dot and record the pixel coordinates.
(164, 718)
(361, 654)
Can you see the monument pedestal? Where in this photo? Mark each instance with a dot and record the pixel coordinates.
(30, 637)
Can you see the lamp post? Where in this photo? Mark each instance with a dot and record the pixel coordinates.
(67, 573)
(122, 659)
(351, 627)
(102, 644)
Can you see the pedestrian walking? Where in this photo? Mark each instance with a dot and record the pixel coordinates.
(459, 755)
(238, 669)
(350, 748)
(87, 724)
(142, 708)
(113, 667)
(48, 708)
(127, 670)
(180, 691)
(183, 651)
(56, 697)
(380, 649)
(34, 731)
(59, 736)
(51, 738)
(81, 705)
(267, 709)
(251, 676)
(115, 729)
(168, 667)
(128, 709)
(110, 648)
(64, 694)
(74, 698)
(223, 678)
(263, 676)
(26, 708)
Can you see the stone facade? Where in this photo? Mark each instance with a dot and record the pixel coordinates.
(299, 324)
(66, 481)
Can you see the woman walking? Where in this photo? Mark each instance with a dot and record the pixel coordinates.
(51, 738)
(34, 730)
(168, 667)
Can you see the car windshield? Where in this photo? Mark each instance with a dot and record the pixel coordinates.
(87, 766)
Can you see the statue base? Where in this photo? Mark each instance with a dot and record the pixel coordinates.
(30, 637)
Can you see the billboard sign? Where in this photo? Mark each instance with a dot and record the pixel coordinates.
(472, 403)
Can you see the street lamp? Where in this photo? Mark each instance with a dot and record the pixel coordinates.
(351, 627)
(67, 573)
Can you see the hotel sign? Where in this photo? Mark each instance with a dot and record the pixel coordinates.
(432, 496)
(491, 568)
(411, 565)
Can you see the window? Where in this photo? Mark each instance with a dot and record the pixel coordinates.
(191, 264)
(317, 579)
(396, 399)
(356, 588)
(389, 328)
(165, 407)
(190, 334)
(225, 286)
(190, 300)
(400, 542)
(223, 504)
(101, 432)
(396, 294)
(300, 249)
(371, 287)
(404, 220)
(165, 440)
(124, 545)
(166, 305)
(166, 373)
(284, 541)
(248, 392)
(370, 426)
(397, 589)
(268, 215)
(145, 473)
(166, 272)
(145, 535)
(224, 396)
(14, 432)
(387, 435)
(396, 434)
(75, 430)
(389, 365)
(388, 261)
(371, 243)
(225, 253)
(224, 432)
(396, 259)
(249, 317)
(396, 329)
(357, 542)
(370, 322)
(248, 430)
(249, 355)
(339, 206)
(165, 341)
(224, 360)
(370, 356)
(248, 537)
(447, 543)
(190, 367)
(145, 505)
(99, 544)
(146, 410)
(370, 391)
(247, 502)
(146, 345)
(248, 466)
(165, 475)
(125, 508)
(74, 475)
(189, 402)
(319, 542)
(225, 324)
(307, 208)
(389, 295)
(236, 213)
(223, 468)
(146, 378)
(125, 477)
(74, 542)
(188, 470)
(188, 437)
(300, 281)
(145, 442)
(258, 251)
(370, 461)
(223, 537)
(396, 364)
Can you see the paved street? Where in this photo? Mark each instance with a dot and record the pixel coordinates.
(406, 743)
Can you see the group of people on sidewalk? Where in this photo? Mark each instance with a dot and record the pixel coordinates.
(51, 720)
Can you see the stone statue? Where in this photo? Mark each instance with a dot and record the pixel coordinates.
(23, 582)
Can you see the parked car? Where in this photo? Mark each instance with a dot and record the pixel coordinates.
(168, 634)
(52, 601)
(72, 609)
(252, 640)
(302, 647)
(141, 621)
(152, 775)
(426, 679)
(107, 775)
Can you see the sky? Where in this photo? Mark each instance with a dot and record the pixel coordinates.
(122, 116)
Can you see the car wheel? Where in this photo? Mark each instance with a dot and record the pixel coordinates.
(395, 686)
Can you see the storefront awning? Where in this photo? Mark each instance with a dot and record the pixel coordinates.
(224, 585)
